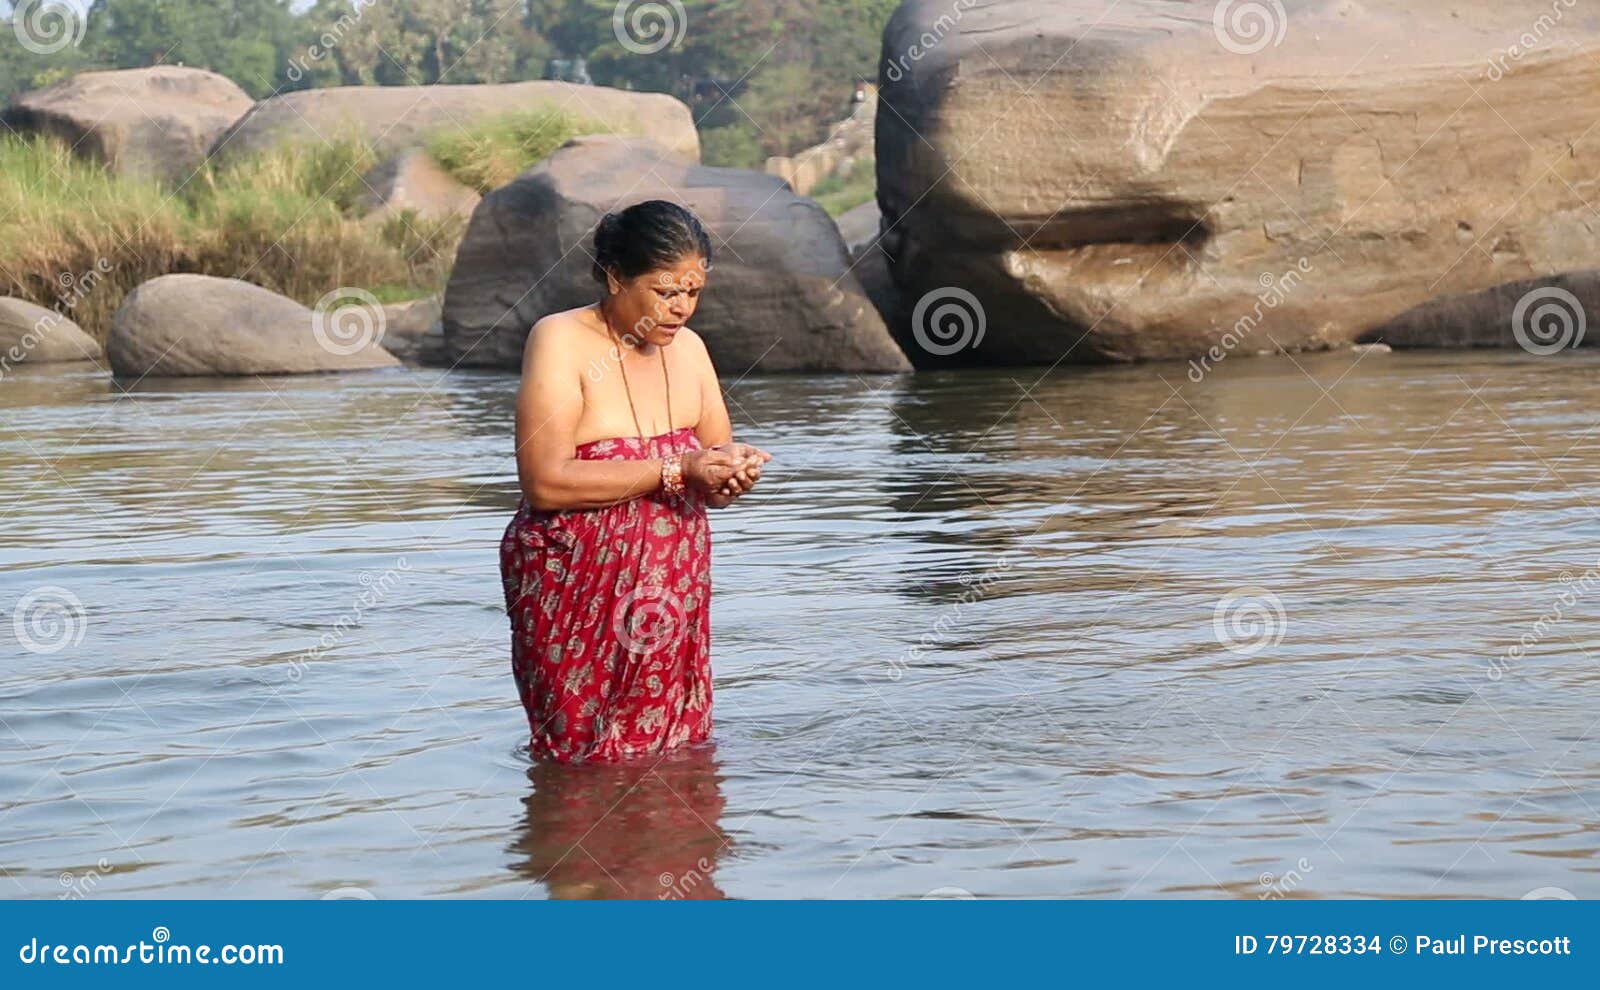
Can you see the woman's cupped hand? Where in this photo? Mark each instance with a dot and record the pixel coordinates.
(723, 473)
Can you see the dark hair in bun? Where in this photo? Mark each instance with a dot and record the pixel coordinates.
(647, 236)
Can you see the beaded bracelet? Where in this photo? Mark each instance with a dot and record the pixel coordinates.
(672, 474)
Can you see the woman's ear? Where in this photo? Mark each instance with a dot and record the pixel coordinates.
(612, 285)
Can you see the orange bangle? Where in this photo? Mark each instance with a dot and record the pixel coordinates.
(672, 474)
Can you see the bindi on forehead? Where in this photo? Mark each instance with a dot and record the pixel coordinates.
(685, 282)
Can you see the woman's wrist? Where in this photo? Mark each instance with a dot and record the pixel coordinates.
(672, 476)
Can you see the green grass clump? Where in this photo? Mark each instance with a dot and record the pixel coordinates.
(488, 153)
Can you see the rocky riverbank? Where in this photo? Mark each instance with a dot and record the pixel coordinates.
(1056, 181)
(316, 200)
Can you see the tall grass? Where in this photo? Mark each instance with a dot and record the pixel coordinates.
(61, 218)
(291, 220)
(488, 153)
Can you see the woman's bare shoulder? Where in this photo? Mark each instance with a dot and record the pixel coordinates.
(564, 337)
(697, 343)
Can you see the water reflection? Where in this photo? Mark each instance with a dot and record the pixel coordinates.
(638, 830)
(967, 637)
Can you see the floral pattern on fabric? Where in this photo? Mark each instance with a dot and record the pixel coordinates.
(610, 614)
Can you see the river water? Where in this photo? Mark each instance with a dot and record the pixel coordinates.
(1309, 627)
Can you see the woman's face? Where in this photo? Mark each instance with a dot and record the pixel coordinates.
(656, 305)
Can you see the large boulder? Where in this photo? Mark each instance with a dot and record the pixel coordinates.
(859, 226)
(179, 325)
(35, 335)
(1542, 316)
(862, 231)
(410, 181)
(399, 117)
(151, 123)
(412, 332)
(780, 295)
(1159, 179)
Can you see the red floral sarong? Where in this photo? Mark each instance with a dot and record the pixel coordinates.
(610, 615)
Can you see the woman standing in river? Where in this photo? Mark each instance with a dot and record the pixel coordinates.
(607, 562)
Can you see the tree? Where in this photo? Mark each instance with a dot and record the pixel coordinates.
(778, 72)
(420, 42)
(54, 48)
(763, 77)
(249, 41)
(571, 27)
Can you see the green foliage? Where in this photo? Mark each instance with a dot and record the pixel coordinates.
(420, 42)
(488, 153)
(790, 63)
(249, 41)
(839, 194)
(733, 146)
(22, 69)
(571, 27)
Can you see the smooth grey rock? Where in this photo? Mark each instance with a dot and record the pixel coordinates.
(779, 296)
(36, 335)
(156, 123)
(178, 325)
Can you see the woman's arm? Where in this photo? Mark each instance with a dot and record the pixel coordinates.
(549, 406)
(716, 429)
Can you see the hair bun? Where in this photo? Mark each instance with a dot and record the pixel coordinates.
(647, 235)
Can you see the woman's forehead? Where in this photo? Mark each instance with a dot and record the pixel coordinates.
(687, 274)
